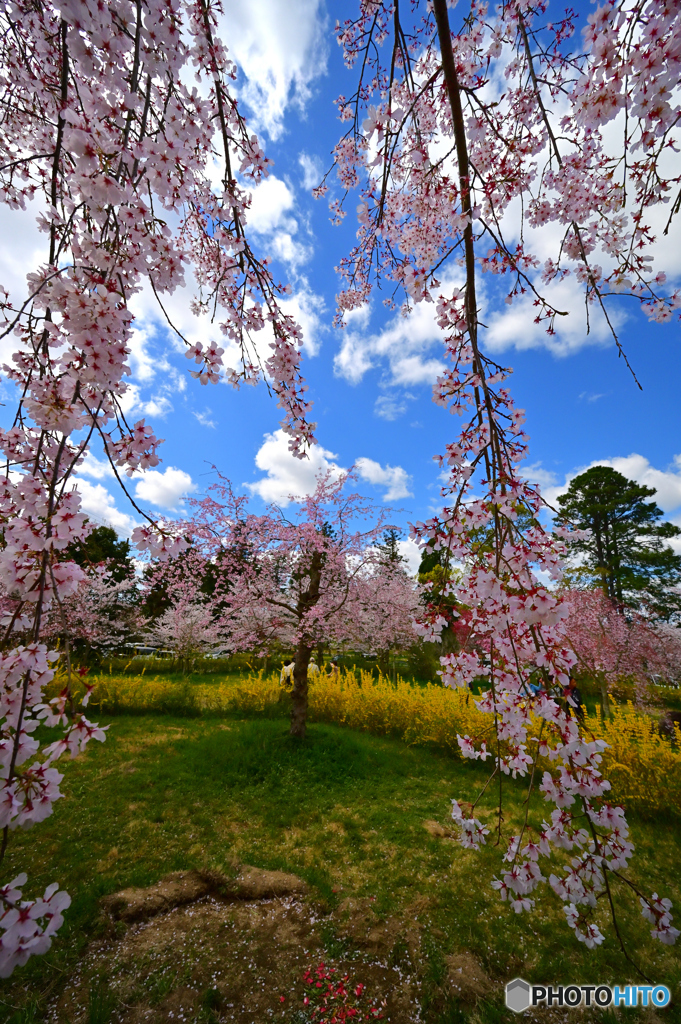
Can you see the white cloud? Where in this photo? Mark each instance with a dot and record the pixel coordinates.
(586, 396)
(270, 202)
(164, 489)
(151, 323)
(98, 503)
(313, 170)
(536, 474)
(269, 216)
(204, 418)
(403, 345)
(357, 319)
(143, 365)
(132, 403)
(99, 469)
(281, 49)
(291, 252)
(410, 550)
(394, 478)
(23, 248)
(287, 477)
(390, 406)
(513, 327)
(306, 308)
(666, 483)
(409, 347)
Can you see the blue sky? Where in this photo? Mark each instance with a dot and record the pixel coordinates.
(370, 384)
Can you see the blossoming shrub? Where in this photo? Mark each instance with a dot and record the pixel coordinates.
(125, 694)
(644, 768)
(139, 695)
(417, 714)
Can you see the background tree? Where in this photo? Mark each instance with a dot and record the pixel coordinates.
(463, 125)
(624, 545)
(389, 549)
(102, 615)
(186, 575)
(305, 577)
(381, 613)
(188, 629)
(436, 574)
(103, 546)
(609, 645)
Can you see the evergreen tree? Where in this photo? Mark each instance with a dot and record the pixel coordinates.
(390, 550)
(626, 547)
(103, 545)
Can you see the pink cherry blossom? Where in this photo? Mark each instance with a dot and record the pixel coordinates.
(498, 116)
(294, 580)
(112, 119)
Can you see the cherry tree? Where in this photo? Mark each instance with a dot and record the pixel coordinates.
(301, 577)
(607, 643)
(464, 139)
(119, 128)
(102, 614)
(381, 615)
(188, 630)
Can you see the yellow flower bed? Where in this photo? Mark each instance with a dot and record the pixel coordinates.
(644, 768)
(417, 714)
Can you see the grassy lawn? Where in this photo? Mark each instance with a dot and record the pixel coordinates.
(390, 900)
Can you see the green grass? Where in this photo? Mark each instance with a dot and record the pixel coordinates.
(343, 810)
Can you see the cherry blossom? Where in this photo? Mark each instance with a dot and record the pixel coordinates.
(460, 123)
(609, 643)
(188, 629)
(297, 580)
(117, 120)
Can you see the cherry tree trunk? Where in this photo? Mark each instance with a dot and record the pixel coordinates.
(307, 600)
(299, 693)
(605, 701)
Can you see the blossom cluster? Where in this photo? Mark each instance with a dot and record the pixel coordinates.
(28, 925)
(29, 787)
(113, 116)
(443, 157)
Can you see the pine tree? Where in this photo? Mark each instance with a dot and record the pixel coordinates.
(626, 547)
(102, 545)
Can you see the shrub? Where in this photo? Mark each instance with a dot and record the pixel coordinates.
(643, 767)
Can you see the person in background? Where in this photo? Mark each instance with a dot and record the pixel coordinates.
(286, 678)
(573, 698)
(334, 671)
(313, 670)
(536, 688)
